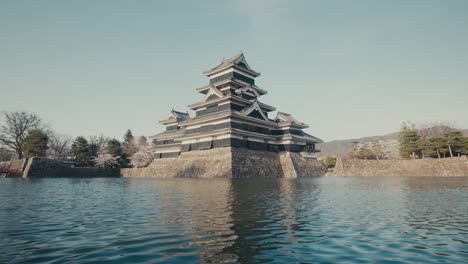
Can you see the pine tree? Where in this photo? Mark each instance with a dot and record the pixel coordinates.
(409, 144)
(127, 137)
(93, 150)
(465, 146)
(114, 148)
(439, 146)
(80, 149)
(35, 143)
(129, 146)
(454, 142)
(427, 148)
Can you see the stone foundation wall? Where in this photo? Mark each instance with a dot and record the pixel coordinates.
(250, 163)
(419, 167)
(12, 164)
(13, 168)
(287, 165)
(229, 162)
(213, 163)
(308, 167)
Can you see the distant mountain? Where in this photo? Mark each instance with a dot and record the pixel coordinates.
(343, 147)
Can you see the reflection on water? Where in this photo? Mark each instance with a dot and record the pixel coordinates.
(218, 220)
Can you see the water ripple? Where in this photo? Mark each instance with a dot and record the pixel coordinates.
(322, 220)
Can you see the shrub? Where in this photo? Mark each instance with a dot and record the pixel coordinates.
(330, 162)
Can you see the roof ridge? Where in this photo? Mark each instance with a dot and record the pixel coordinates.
(254, 105)
(231, 62)
(179, 112)
(235, 57)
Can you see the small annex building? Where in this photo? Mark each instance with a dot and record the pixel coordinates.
(230, 114)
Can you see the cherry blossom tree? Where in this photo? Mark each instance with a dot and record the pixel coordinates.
(131, 147)
(142, 157)
(105, 160)
(142, 142)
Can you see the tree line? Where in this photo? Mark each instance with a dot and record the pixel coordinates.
(435, 141)
(24, 134)
(368, 150)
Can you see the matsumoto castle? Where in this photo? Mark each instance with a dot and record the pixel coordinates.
(231, 115)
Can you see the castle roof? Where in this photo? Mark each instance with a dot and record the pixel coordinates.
(318, 140)
(168, 134)
(288, 119)
(206, 88)
(254, 107)
(181, 115)
(237, 61)
(212, 101)
(175, 117)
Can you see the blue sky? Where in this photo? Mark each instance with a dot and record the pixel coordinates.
(347, 68)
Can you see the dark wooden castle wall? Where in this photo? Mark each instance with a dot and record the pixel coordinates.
(232, 76)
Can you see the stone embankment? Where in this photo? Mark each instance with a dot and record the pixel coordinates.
(230, 163)
(42, 168)
(195, 164)
(419, 167)
(12, 168)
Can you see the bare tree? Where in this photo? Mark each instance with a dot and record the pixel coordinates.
(100, 141)
(59, 146)
(434, 130)
(16, 127)
(355, 151)
(5, 154)
(376, 149)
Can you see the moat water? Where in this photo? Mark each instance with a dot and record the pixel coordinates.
(320, 220)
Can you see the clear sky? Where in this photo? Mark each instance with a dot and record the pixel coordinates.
(347, 68)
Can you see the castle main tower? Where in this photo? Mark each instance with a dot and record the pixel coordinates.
(230, 114)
